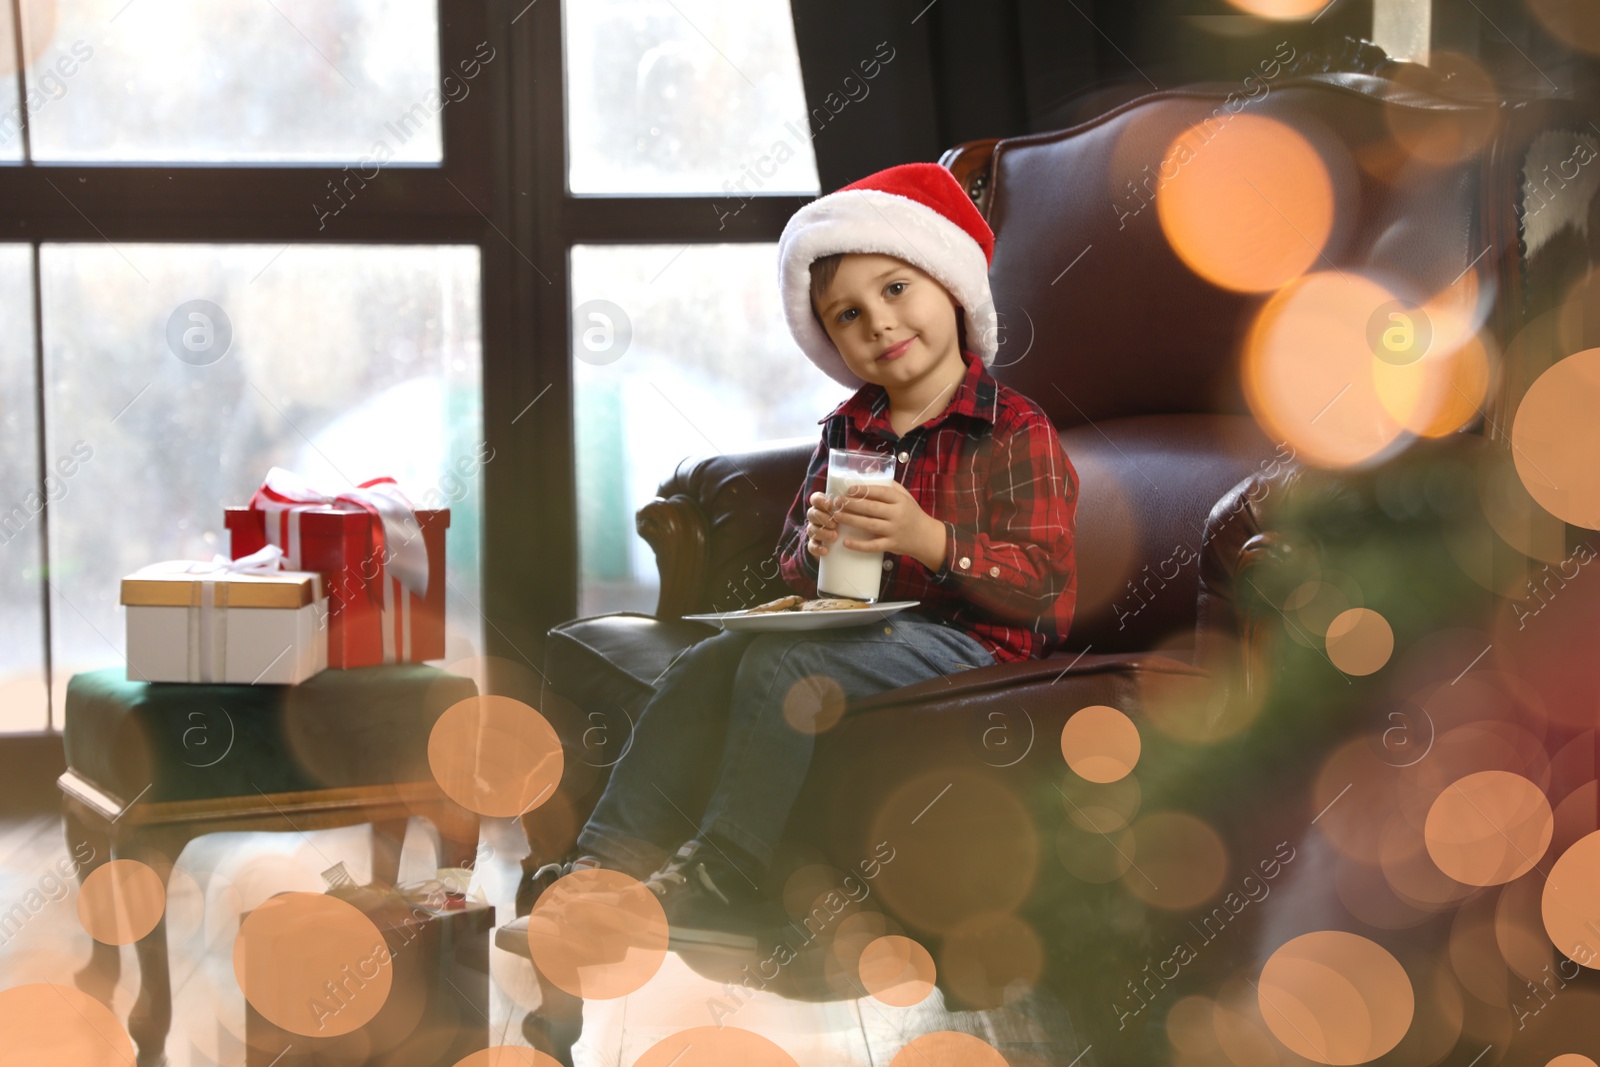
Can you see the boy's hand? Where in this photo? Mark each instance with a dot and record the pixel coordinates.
(893, 521)
(821, 530)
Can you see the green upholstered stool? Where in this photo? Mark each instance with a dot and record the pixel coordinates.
(153, 765)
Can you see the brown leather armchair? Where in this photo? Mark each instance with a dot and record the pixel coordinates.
(998, 869)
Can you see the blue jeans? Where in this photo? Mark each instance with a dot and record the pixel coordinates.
(713, 751)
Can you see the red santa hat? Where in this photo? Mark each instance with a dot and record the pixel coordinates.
(916, 212)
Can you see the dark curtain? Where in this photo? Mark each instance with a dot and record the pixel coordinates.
(895, 81)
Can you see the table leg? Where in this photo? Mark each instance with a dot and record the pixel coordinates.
(151, 1017)
(388, 841)
(89, 845)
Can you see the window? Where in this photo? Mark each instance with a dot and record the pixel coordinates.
(678, 352)
(312, 179)
(679, 348)
(233, 81)
(689, 97)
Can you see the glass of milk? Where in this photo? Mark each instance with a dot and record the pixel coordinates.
(850, 572)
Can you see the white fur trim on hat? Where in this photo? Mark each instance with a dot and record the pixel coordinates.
(870, 220)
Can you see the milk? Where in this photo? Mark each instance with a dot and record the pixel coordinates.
(850, 572)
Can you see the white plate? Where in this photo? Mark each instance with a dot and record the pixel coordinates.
(808, 620)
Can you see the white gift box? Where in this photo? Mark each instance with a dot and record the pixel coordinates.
(224, 624)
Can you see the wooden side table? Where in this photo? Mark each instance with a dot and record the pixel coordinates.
(369, 767)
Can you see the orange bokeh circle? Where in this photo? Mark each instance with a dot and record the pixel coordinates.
(1556, 437)
(1309, 370)
(896, 970)
(814, 704)
(948, 1048)
(1100, 743)
(990, 956)
(1280, 9)
(1336, 998)
(57, 1024)
(312, 964)
(495, 755)
(1251, 208)
(598, 934)
(1576, 23)
(1180, 862)
(121, 901)
(715, 1046)
(1570, 906)
(1360, 641)
(1489, 828)
(508, 1056)
(1572, 1059)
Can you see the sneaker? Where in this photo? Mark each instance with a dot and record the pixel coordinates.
(707, 901)
(537, 880)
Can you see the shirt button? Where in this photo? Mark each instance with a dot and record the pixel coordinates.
(966, 561)
(994, 572)
(888, 564)
(904, 457)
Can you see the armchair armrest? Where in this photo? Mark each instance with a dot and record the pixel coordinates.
(715, 525)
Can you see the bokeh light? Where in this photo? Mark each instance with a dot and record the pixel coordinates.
(1336, 997)
(1489, 828)
(45, 1023)
(949, 818)
(1252, 206)
(598, 934)
(1556, 438)
(1573, 22)
(1571, 904)
(121, 901)
(715, 1046)
(814, 704)
(1180, 861)
(948, 1048)
(1309, 370)
(1359, 641)
(1281, 9)
(991, 956)
(897, 971)
(1100, 743)
(509, 1056)
(312, 964)
(495, 755)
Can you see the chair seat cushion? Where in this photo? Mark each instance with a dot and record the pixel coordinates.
(342, 728)
(604, 661)
(609, 661)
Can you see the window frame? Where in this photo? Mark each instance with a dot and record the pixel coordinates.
(501, 186)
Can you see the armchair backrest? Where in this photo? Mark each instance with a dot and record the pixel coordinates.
(1136, 356)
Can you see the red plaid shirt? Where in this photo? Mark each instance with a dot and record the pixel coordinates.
(992, 468)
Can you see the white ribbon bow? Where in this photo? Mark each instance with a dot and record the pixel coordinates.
(265, 560)
(401, 546)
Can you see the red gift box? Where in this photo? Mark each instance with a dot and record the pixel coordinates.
(373, 616)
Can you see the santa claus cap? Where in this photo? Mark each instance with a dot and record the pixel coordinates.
(916, 212)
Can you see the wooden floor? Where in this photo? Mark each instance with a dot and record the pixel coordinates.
(220, 877)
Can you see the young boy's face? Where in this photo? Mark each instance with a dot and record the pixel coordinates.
(874, 305)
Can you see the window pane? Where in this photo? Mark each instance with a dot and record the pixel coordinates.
(22, 699)
(687, 97)
(677, 352)
(340, 363)
(237, 80)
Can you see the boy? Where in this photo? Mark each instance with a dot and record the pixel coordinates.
(880, 281)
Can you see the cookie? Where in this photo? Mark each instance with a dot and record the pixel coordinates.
(833, 604)
(783, 603)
